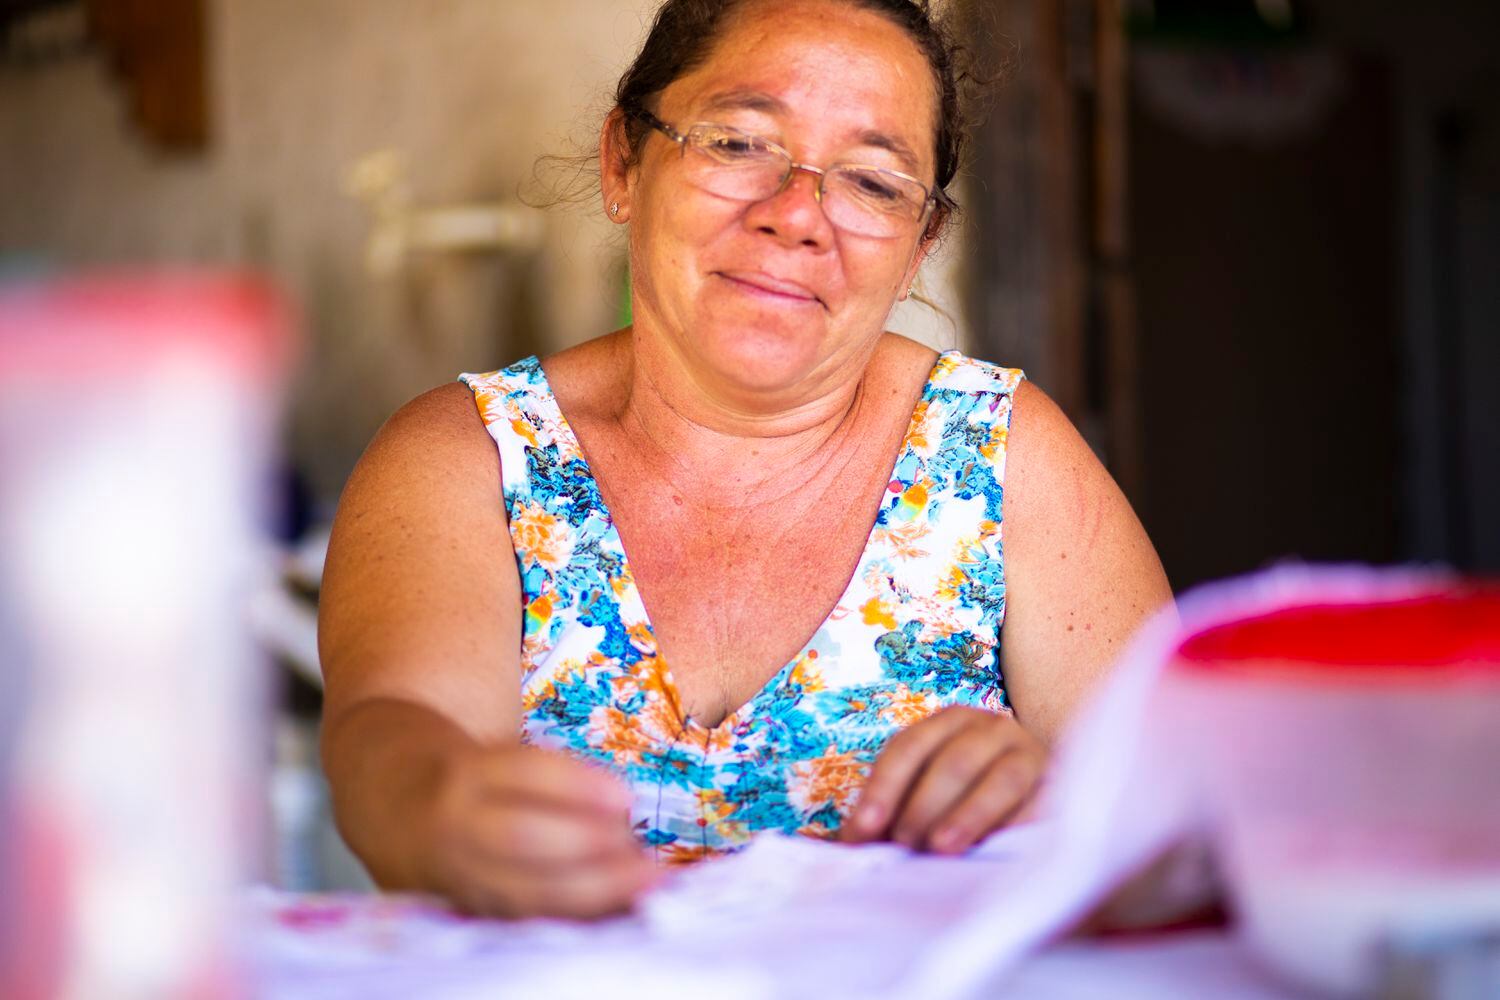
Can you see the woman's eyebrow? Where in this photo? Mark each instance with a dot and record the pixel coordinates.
(890, 143)
(745, 100)
(759, 100)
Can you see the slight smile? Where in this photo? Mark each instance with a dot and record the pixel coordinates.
(765, 286)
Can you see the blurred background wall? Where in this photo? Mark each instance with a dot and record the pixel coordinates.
(1251, 247)
(467, 94)
(1316, 263)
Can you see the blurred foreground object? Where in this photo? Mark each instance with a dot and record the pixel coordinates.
(1352, 755)
(135, 427)
(1329, 737)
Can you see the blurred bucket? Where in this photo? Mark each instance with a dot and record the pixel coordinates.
(136, 418)
(1351, 757)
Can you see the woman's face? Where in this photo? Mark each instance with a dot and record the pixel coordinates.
(766, 295)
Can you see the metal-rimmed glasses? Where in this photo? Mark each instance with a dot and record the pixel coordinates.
(868, 201)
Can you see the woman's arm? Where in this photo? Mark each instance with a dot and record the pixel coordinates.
(1081, 575)
(421, 598)
(417, 649)
(419, 636)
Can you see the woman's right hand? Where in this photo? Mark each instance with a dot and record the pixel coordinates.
(516, 831)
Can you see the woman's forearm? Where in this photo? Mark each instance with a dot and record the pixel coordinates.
(384, 757)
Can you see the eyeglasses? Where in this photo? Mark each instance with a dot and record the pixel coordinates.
(868, 201)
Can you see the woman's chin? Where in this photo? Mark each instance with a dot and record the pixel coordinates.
(761, 359)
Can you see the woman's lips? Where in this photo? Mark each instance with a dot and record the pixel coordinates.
(765, 286)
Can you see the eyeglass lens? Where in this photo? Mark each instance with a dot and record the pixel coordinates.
(863, 200)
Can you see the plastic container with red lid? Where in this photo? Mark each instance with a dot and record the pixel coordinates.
(137, 417)
(1350, 756)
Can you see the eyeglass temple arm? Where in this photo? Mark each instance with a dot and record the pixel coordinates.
(656, 123)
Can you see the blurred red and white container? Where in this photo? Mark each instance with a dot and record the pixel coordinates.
(1351, 754)
(136, 426)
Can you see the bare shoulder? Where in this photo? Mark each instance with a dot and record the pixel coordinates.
(421, 587)
(1081, 575)
(1047, 462)
(898, 373)
(445, 417)
(433, 452)
(909, 358)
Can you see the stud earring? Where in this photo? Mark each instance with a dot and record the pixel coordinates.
(614, 208)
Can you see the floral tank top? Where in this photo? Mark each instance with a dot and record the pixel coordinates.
(916, 630)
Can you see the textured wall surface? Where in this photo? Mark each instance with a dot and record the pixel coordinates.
(471, 92)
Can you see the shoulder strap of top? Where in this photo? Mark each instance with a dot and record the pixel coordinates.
(981, 395)
(956, 372)
(521, 414)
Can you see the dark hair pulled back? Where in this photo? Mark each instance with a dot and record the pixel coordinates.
(685, 31)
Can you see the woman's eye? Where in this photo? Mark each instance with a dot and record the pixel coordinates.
(875, 188)
(737, 145)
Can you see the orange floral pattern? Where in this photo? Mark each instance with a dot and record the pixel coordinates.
(916, 630)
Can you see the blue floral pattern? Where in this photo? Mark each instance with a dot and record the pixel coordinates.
(916, 630)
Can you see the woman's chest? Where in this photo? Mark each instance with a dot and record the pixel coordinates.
(734, 595)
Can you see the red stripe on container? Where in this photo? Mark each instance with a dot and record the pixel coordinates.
(1459, 627)
(121, 322)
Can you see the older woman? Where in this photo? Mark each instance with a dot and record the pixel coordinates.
(737, 567)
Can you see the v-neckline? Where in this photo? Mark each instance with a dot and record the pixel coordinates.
(630, 593)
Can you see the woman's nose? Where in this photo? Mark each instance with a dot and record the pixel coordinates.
(794, 214)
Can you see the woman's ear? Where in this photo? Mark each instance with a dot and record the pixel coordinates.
(615, 167)
(924, 246)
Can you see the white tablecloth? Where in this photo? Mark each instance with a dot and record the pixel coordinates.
(789, 918)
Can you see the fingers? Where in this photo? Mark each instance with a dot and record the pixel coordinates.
(596, 892)
(895, 770)
(949, 775)
(518, 831)
(522, 859)
(551, 779)
(948, 781)
(1001, 792)
(521, 805)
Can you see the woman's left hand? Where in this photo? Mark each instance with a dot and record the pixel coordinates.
(948, 781)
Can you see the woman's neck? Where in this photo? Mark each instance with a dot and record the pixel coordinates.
(732, 447)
